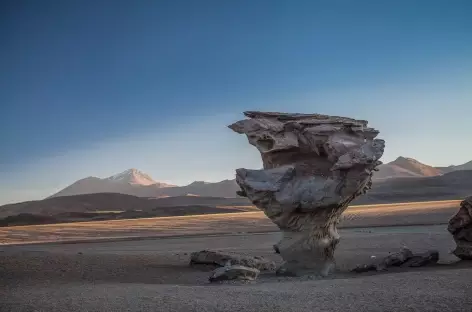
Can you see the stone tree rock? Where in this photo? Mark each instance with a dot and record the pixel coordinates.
(314, 166)
(460, 226)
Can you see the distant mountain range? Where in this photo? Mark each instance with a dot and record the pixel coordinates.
(134, 194)
(136, 183)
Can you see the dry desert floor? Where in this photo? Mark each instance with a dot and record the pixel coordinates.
(123, 273)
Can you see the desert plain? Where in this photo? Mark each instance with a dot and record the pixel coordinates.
(143, 265)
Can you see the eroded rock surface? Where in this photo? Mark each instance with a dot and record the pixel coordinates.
(460, 226)
(404, 258)
(313, 167)
(397, 258)
(222, 259)
(234, 272)
(422, 259)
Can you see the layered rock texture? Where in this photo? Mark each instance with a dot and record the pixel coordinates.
(460, 226)
(219, 258)
(313, 167)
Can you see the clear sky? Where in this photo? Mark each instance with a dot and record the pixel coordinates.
(91, 88)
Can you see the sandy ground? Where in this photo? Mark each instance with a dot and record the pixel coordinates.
(356, 216)
(154, 275)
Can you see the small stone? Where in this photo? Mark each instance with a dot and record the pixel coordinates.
(234, 272)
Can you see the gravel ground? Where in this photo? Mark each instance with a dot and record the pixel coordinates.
(440, 291)
(153, 275)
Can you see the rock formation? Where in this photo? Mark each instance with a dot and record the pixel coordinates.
(314, 166)
(460, 226)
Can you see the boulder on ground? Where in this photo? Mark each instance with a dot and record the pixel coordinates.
(426, 258)
(404, 258)
(397, 259)
(460, 226)
(234, 272)
(219, 258)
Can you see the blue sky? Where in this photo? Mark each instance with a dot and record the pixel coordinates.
(97, 87)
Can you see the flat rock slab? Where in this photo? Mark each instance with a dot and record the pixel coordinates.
(222, 259)
(234, 272)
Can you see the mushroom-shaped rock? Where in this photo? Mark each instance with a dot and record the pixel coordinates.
(460, 226)
(313, 167)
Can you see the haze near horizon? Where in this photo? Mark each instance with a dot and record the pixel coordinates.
(94, 88)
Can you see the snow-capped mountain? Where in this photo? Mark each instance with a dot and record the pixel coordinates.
(137, 183)
(135, 177)
(131, 181)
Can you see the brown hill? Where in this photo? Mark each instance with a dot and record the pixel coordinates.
(404, 167)
(466, 166)
(113, 202)
(450, 186)
(112, 206)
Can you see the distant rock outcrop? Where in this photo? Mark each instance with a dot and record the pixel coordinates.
(460, 226)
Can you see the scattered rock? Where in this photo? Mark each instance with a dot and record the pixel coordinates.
(460, 226)
(395, 259)
(234, 272)
(365, 268)
(418, 260)
(404, 258)
(222, 258)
